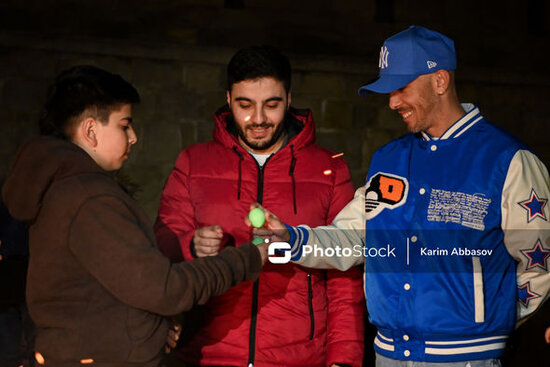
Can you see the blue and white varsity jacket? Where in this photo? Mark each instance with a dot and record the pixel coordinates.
(457, 241)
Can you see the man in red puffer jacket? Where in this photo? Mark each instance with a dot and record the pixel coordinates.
(263, 151)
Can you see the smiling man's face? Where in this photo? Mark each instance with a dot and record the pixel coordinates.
(259, 107)
(416, 103)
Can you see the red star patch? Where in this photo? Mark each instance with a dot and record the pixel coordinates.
(534, 206)
(537, 256)
(525, 294)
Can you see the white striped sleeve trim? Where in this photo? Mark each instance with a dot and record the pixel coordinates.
(302, 237)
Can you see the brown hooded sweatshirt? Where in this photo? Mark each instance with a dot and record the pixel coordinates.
(97, 284)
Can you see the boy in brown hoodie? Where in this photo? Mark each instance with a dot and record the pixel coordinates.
(98, 288)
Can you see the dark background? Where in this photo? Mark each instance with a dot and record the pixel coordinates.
(175, 53)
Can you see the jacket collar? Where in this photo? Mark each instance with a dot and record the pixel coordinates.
(468, 120)
(300, 128)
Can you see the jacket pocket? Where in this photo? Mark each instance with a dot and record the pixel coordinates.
(479, 297)
(310, 305)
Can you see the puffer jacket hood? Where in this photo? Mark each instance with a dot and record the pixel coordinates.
(39, 162)
(299, 127)
(299, 130)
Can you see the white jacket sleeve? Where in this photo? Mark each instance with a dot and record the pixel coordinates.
(339, 245)
(526, 225)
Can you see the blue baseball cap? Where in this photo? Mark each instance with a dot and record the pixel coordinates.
(408, 54)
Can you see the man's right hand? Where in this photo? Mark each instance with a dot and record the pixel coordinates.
(208, 240)
(273, 229)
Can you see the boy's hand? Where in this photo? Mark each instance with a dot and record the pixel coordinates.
(262, 247)
(208, 241)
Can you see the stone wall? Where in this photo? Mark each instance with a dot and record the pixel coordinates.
(182, 85)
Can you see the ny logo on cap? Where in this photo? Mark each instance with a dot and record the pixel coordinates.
(383, 61)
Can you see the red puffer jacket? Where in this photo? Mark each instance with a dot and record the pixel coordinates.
(292, 316)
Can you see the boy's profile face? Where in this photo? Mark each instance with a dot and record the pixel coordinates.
(114, 139)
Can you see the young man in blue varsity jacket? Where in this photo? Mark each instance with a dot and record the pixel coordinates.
(457, 244)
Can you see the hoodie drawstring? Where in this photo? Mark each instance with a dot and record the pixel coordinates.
(240, 172)
(291, 174)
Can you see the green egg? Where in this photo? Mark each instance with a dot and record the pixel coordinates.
(257, 217)
(257, 240)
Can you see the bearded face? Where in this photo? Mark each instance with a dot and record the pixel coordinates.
(259, 107)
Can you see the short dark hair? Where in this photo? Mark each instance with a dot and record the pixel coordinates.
(256, 62)
(79, 89)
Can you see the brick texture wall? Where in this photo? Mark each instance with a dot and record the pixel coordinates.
(182, 84)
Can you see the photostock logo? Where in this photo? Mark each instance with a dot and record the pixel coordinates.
(279, 252)
(279, 247)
